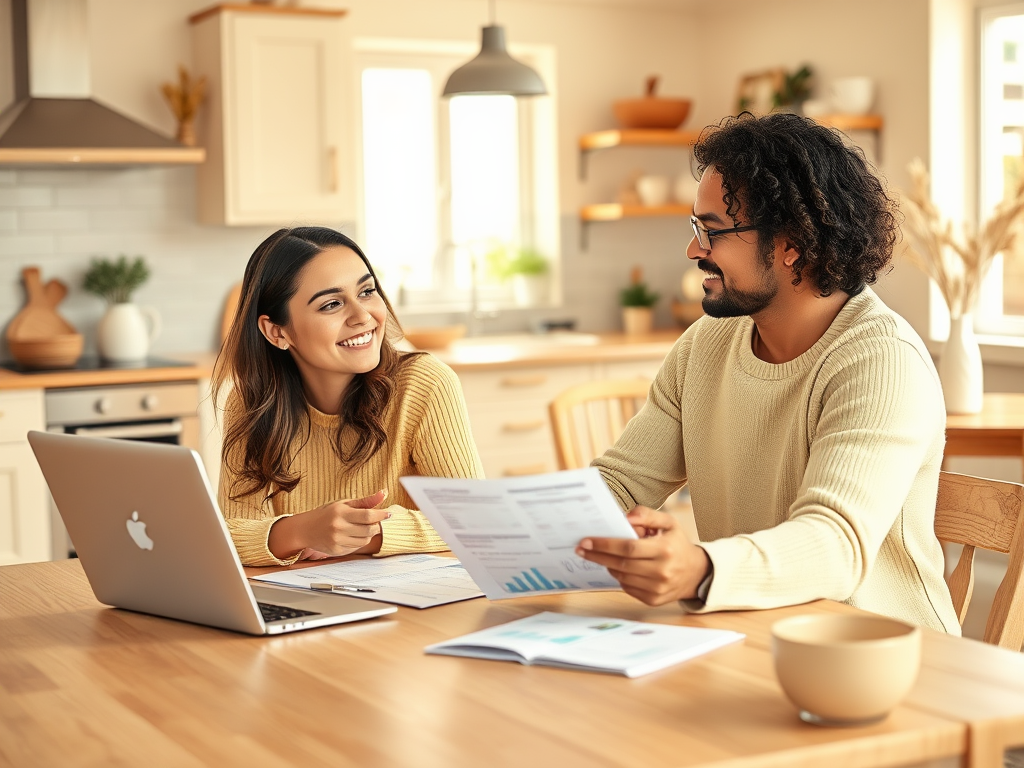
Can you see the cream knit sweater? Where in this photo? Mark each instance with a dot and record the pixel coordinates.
(428, 434)
(815, 478)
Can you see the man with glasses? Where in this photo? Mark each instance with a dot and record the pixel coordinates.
(805, 416)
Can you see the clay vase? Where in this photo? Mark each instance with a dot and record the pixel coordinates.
(126, 332)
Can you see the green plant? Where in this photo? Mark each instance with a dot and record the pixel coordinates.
(796, 87)
(505, 261)
(637, 294)
(115, 281)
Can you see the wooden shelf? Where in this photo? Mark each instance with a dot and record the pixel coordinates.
(616, 211)
(852, 122)
(636, 138)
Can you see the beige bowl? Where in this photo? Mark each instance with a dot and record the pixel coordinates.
(61, 351)
(687, 312)
(651, 112)
(434, 338)
(845, 670)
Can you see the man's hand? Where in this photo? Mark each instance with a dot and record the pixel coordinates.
(335, 529)
(662, 567)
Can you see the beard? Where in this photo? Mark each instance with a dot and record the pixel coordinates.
(731, 302)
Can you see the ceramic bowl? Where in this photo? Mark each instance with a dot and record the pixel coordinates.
(687, 312)
(852, 95)
(59, 351)
(651, 112)
(435, 337)
(845, 670)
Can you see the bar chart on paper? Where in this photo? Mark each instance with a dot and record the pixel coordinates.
(533, 580)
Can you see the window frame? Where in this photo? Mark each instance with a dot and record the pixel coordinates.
(991, 293)
(538, 172)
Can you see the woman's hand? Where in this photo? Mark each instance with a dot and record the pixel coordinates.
(661, 566)
(338, 528)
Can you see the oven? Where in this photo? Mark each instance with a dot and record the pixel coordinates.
(164, 412)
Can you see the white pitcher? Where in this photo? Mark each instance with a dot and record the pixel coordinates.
(126, 331)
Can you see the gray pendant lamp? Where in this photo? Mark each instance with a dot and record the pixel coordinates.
(493, 71)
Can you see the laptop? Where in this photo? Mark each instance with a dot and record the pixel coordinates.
(151, 538)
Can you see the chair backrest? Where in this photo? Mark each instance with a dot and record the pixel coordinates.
(976, 512)
(588, 418)
(230, 308)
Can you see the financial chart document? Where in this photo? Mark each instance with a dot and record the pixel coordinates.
(518, 535)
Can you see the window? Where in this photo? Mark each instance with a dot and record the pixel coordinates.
(1001, 164)
(444, 181)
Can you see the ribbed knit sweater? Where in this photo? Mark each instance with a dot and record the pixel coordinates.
(816, 478)
(427, 434)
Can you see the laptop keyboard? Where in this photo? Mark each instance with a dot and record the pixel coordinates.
(273, 612)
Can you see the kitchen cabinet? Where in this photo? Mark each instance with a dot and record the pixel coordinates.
(275, 123)
(508, 409)
(24, 500)
(599, 140)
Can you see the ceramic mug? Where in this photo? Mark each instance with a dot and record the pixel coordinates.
(852, 95)
(653, 190)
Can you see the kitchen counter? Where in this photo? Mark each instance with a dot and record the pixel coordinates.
(479, 353)
(199, 366)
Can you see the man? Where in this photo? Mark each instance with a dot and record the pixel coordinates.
(805, 416)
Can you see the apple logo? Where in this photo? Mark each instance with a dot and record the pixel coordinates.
(137, 531)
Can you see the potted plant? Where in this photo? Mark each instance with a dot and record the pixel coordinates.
(527, 268)
(123, 333)
(637, 302)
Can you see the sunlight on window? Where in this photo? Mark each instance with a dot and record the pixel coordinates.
(1003, 154)
(400, 176)
(485, 177)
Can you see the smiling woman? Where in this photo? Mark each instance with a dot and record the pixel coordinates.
(324, 414)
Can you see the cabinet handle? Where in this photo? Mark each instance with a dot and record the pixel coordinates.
(523, 381)
(523, 426)
(332, 168)
(528, 469)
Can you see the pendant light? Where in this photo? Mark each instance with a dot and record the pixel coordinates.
(493, 71)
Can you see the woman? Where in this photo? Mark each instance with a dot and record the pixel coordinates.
(323, 407)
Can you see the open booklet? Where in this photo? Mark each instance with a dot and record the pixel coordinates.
(517, 536)
(590, 644)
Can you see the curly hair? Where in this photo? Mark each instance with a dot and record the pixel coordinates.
(269, 409)
(796, 178)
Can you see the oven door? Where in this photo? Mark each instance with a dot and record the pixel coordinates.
(168, 431)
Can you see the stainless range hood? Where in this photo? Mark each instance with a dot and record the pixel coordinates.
(53, 120)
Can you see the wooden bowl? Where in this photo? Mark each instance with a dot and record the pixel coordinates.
(59, 351)
(687, 312)
(651, 112)
(434, 338)
(844, 670)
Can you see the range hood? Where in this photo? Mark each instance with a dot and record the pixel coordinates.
(53, 120)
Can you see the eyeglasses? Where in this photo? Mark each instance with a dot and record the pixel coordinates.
(704, 235)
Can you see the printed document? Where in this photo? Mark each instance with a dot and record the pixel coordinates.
(517, 536)
(588, 643)
(418, 581)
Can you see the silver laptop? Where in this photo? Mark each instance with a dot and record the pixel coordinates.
(151, 538)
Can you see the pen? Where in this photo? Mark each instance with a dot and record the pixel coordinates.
(326, 586)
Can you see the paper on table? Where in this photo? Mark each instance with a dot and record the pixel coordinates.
(588, 643)
(517, 535)
(418, 581)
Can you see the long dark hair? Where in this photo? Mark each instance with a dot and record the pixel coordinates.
(270, 408)
(794, 177)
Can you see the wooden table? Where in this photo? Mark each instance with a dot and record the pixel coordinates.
(997, 431)
(81, 684)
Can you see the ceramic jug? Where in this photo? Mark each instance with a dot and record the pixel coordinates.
(126, 331)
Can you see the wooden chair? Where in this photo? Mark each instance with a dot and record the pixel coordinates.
(976, 512)
(230, 308)
(588, 418)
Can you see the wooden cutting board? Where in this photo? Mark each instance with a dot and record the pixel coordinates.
(38, 319)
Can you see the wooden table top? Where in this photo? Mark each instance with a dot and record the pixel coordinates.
(82, 684)
(1000, 410)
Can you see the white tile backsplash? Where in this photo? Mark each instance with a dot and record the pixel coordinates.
(52, 219)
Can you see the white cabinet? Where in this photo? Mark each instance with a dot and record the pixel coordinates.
(275, 123)
(508, 409)
(24, 501)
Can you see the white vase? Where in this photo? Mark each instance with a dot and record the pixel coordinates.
(960, 368)
(126, 331)
(530, 290)
(637, 320)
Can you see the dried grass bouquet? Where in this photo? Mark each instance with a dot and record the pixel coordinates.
(958, 265)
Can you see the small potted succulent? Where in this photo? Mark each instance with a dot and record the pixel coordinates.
(528, 270)
(126, 330)
(637, 302)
